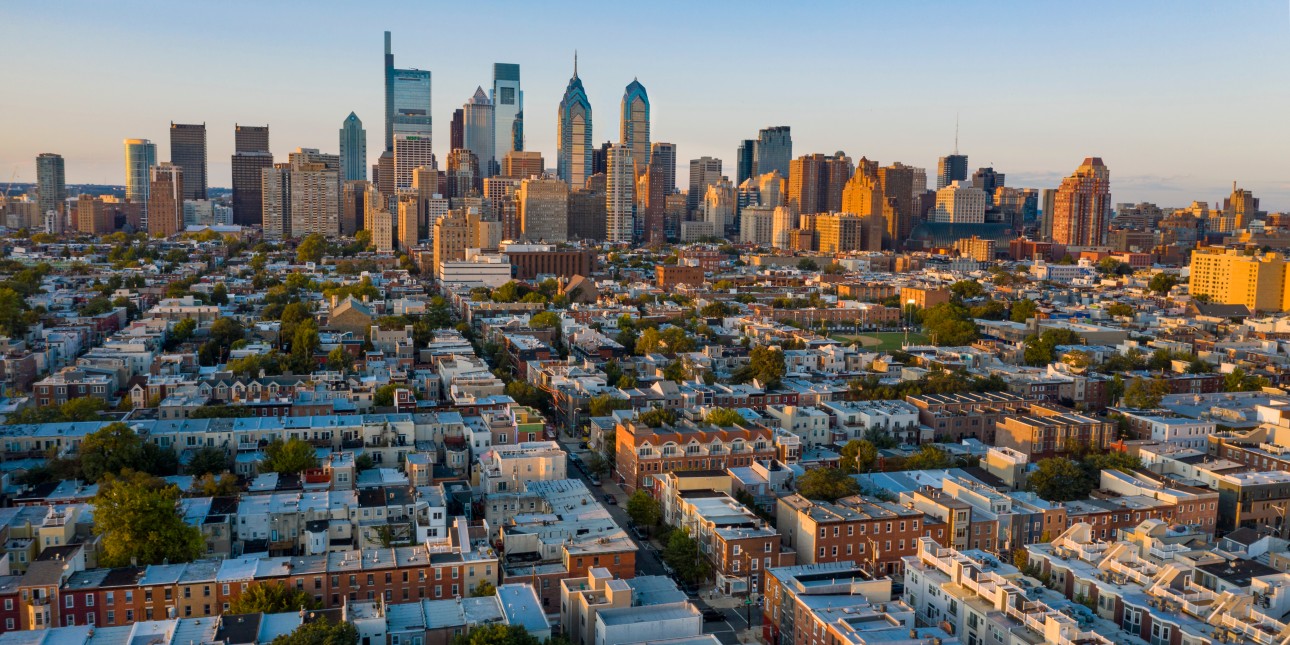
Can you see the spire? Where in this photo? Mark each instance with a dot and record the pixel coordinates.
(575, 63)
(956, 133)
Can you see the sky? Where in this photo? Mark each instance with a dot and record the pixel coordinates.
(1178, 98)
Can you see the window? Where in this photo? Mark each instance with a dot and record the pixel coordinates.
(71, 601)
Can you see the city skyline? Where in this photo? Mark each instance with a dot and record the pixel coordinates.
(1121, 85)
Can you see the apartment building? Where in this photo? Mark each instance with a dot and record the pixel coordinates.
(1042, 430)
(739, 544)
(872, 533)
(954, 417)
(644, 453)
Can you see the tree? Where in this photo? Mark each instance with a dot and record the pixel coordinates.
(525, 394)
(597, 465)
(364, 462)
(644, 509)
(208, 460)
(1041, 349)
(807, 264)
(545, 320)
(303, 344)
(716, 309)
(766, 364)
(484, 588)
(828, 484)
(271, 598)
(1145, 395)
(967, 289)
(859, 455)
(682, 554)
(181, 333)
(833, 268)
(110, 450)
(384, 395)
(604, 405)
(1023, 310)
(1119, 309)
(1058, 479)
(219, 295)
(496, 634)
(220, 411)
(320, 632)
(137, 517)
(929, 457)
(1162, 283)
(1239, 381)
(724, 417)
(224, 485)
(290, 456)
(949, 325)
(312, 248)
(657, 417)
(648, 342)
(85, 408)
(339, 360)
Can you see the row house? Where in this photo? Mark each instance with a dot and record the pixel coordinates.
(836, 603)
(861, 529)
(954, 417)
(897, 420)
(1043, 430)
(739, 544)
(74, 383)
(644, 453)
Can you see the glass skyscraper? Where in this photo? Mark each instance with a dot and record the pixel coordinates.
(140, 156)
(573, 133)
(508, 103)
(479, 131)
(634, 127)
(353, 149)
(773, 151)
(407, 100)
(188, 151)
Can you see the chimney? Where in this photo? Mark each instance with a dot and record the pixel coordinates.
(335, 299)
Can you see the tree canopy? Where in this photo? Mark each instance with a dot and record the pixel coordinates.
(290, 456)
(137, 517)
(644, 509)
(828, 484)
(271, 598)
(320, 632)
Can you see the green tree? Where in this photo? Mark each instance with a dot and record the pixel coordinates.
(510, 292)
(290, 456)
(949, 325)
(1119, 309)
(115, 448)
(929, 457)
(84, 408)
(716, 309)
(320, 631)
(525, 394)
(682, 554)
(807, 264)
(496, 634)
(339, 360)
(210, 485)
(1058, 479)
(137, 518)
(766, 364)
(1162, 283)
(597, 464)
(828, 484)
(967, 289)
(657, 417)
(1145, 394)
(545, 320)
(1023, 310)
(1041, 349)
(384, 395)
(859, 455)
(724, 417)
(484, 588)
(364, 462)
(303, 344)
(181, 333)
(644, 509)
(648, 342)
(271, 598)
(604, 405)
(312, 248)
(219, 295)
(208, 460)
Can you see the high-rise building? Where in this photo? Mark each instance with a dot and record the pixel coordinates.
(960, 203)
(897, 181)
(587, 212)
(508, 103)
(353, 206)
(665, 155)
(862, 195)
(275, 191)
(407, 99)
(140, 157)
(315, 193)
(1230, 277)
(651, 203)
(457, 130)
(773, 151)
(51, 181)
(599, 156)
(93, 216)
(478, 134)
(1049, 199)
(251, 156)
(411, 151)
(704, 172)
(522, 164)
(1242, 206)
(783, 223)
(757, 225)
(719, 207)
(463, 174)
(745, 159)
(842, 232)
(772, 189)
(383, 179)
(1082, 205)
(353, 149)
(407, 228)
(165, 200)
(517, 131)
(988, 180)
(573, 133)
(451, 238)
(633, 131)
(620, 188)
(188, 151)
(815, 182)
(544, 209)
(951, 168)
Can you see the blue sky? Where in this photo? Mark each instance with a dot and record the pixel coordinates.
(1179, 98)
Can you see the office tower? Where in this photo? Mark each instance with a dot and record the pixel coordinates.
(463, 174)
(250, 157)
(745, 158)
(1081, 205)
(93, 215)
(165, 200)
(704, 172)
(960, 203)
(633, 130)
(783, 223)
(508, 103)
(866, 167)
(815, 182)
(665, 155)
(674, 212)
(862, 195)
(497, 190)
(756, 225)
(353, 149)
(772, 189)
(389, 94)
(411, 151)
(275, 192)
(478, 131)
(315, 193)
(522, 164)
(1048, 197)
(620, 188)
(517, 131)
(773, 151)
(451, 238)
(598, 158)
(651, 203)
(188, 151)
(353, 200)
(140, 157)
(988, 180)
(951, 168)
(544, 210)
(1242, 206)
(51, 181)
(842, 232)
(457, 130)
(384, 229)
(407, 99)
(384, 177)
(897, 181)
(719, 207)
(406, 229)
(573, 133)
(587, 214)
(747, 195)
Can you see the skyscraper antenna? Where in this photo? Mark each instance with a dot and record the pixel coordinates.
(956, 129)
(575, 63)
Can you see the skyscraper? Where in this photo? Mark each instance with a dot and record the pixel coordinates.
(815, 182)
(745, 158)
(275, 191)
(479, 131)
(1081, 205)
(1049, 199)
(951, 168)
(960, 203)
(573, 133)
(51, 181)
(988, 180)
(353, 149)
(704, 172)
(651, 203)
(664, 154)
(897, 182)
(165, 200)
(522, 164)
(315, 193)
(407, 99)
(544, 209)
(517, 132)
(389, 94)
(508, 103)
(250, 157)
(411, 151)
(620, 189)
(456, 130)
(188, 151)
(1241, 206)
(773, 151)
(633, 130)
(463, 173)
(598, 158)
(140, 157)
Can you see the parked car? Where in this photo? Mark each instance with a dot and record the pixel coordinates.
(611, 500)
(712, 616)
(595, 481)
